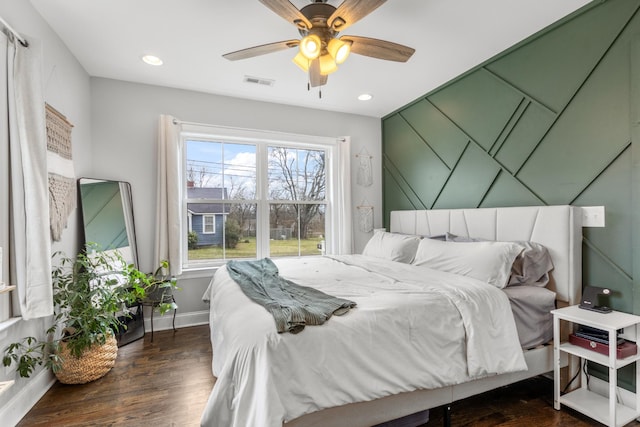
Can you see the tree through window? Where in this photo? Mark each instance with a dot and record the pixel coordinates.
(254, 200)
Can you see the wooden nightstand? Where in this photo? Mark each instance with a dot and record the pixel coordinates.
(602, 409)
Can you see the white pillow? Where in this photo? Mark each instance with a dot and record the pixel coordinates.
(489, 262)
(392, 246)
(530, 268)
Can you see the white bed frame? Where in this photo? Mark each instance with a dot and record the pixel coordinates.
(559, 228)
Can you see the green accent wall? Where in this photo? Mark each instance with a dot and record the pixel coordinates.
(550, 121)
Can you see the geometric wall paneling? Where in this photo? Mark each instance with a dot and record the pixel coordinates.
(396, 196)
(479, 104)
(508, 191)
(594, 129)
(469, 181)
(417, 164)
(508, 128)
(442, 136)
(571, 51)
(524, 137)
(614, 239)
(598, 270)
(546, 122)
(401, 186)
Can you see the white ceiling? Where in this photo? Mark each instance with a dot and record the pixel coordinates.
(108, 37)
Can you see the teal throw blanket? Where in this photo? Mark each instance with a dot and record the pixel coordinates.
(292, 306)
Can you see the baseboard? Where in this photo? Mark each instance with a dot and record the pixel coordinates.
(22, 402)
(183, 320)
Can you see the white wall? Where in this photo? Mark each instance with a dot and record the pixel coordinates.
(124, 131)
(66, 88)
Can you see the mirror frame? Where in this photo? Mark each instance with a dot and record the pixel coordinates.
(127, 211)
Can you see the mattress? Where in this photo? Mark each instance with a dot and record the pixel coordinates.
(531, 306)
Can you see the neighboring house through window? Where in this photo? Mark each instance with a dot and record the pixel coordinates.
(205, 219)
(250, 195)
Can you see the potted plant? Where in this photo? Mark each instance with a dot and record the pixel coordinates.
(159, 290)
(90, 295)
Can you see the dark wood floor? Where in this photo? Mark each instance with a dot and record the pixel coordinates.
(167, 382)
(161, 383)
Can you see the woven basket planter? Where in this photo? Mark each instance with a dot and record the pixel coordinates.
(94, 363)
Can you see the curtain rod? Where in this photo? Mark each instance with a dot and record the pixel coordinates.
(13, 32)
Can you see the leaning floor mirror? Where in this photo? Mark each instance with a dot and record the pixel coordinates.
(107, 218)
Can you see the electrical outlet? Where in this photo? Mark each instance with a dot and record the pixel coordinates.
(593, 216)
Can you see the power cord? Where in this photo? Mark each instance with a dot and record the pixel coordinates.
(584, 368)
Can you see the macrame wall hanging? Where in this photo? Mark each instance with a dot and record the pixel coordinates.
(62, 182)
(365, 217)
(365, 170)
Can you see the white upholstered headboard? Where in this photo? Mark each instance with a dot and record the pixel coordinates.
(559, 228)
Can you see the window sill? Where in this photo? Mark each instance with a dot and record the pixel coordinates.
(5, 325)
(198, 273)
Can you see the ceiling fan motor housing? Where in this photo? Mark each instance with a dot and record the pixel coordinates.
(318, 14)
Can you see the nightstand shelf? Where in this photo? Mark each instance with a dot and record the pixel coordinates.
(603, 409)
(591, 355)
(596, 406)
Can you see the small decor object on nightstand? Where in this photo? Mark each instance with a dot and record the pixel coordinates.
(590, 299)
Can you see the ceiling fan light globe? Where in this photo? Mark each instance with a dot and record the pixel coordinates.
(310, 46)
(301, 61)
(339, 50)
(327, 65)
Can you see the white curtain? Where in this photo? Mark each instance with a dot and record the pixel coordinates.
(30, 242)
(168, 242)
(344, 244)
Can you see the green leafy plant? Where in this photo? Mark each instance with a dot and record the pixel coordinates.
(90, 293)
(192, 240)
(232, 233)
(160, 287)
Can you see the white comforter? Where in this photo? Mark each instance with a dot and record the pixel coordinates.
(413, 328)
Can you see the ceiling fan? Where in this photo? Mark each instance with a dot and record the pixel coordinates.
(320, 48)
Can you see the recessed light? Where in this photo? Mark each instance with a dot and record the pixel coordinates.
(152, 60)
(365, 97)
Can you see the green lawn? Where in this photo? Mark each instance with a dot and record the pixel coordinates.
(248, 250)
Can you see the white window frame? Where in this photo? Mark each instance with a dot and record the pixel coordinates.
(262, 140)
(204, 224)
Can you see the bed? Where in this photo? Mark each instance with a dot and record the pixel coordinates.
(340, 375)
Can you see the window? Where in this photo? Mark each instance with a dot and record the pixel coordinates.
(208, 224)
(247, 196)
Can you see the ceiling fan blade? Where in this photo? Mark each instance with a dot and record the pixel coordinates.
(380, 49)
(351, 11)
(288, 11)
(250, 52)
(315, 78)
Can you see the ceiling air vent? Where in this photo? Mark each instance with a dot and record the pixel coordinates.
(259, 81)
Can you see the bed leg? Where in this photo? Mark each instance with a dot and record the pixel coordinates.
(446, 419)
